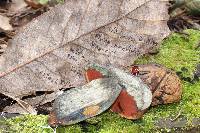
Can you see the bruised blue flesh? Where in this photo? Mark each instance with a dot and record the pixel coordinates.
(78, 116)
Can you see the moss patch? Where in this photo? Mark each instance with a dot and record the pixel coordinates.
(177, 52)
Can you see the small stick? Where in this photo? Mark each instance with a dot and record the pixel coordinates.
(23, 104)
(178, 115)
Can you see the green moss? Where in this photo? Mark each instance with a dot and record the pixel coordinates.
(32, 124)
(178, 53)
(27, 123)
(181, 54)
(190, 100)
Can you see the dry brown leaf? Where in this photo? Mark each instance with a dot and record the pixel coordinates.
(4, 23)
(22, 107)
(17, 5)
(164, 83)
(33, 3)
(51, 51)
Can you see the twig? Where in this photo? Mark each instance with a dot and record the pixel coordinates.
(2, 114)
(177, 116)
(54, 129)
(23, 104)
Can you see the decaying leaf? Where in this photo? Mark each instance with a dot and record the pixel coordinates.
(4, 23)
(80, 103)
(191, 6)
(25, 107)
(165, 84)
(17, 5)
(2, 46)
(34, 3)
(36, 102)
(51, 51)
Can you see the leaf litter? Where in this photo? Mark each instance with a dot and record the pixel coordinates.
(49, 62)
(52, 50)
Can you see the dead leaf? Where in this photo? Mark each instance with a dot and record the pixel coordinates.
(25, 107)
(23, 17)
(165, 85)
(190, 6)
(4, 23)
(51, 51)
(33, 3)
(34, 102)
(3, 45)
(17, 5)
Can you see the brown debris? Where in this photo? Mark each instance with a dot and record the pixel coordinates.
(4, 23)
(165, 84)
(17, 6)
(23, 17)
(52, 121)
(33, 3)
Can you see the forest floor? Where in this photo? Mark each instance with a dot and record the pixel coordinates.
(179, 52)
